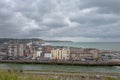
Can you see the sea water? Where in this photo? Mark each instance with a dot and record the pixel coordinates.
(98, 45)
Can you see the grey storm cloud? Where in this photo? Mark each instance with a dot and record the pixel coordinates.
(105, 6)
(77, 20)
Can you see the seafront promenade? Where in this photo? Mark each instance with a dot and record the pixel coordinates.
(89, 63)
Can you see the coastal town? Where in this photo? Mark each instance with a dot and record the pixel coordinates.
(39, 51)
(59, 39)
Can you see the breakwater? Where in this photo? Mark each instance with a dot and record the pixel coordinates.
(103, 63)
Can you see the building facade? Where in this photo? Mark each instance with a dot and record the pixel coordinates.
(60, 54)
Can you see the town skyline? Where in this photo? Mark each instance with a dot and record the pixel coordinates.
(65, 20)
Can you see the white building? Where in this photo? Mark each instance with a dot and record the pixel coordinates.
(21, 49)
(47, 56)
(13, 50)
(38, 53)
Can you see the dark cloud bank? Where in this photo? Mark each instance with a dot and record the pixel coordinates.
(76, 20)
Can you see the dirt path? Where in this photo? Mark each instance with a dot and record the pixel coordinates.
(75, 75)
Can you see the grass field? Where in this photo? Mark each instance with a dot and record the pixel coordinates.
(17, 75)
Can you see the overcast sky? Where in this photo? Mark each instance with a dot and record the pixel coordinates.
(75, 20)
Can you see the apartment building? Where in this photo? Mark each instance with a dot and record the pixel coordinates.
(60, 53)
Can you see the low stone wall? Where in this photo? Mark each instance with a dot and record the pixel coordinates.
(63, 62)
